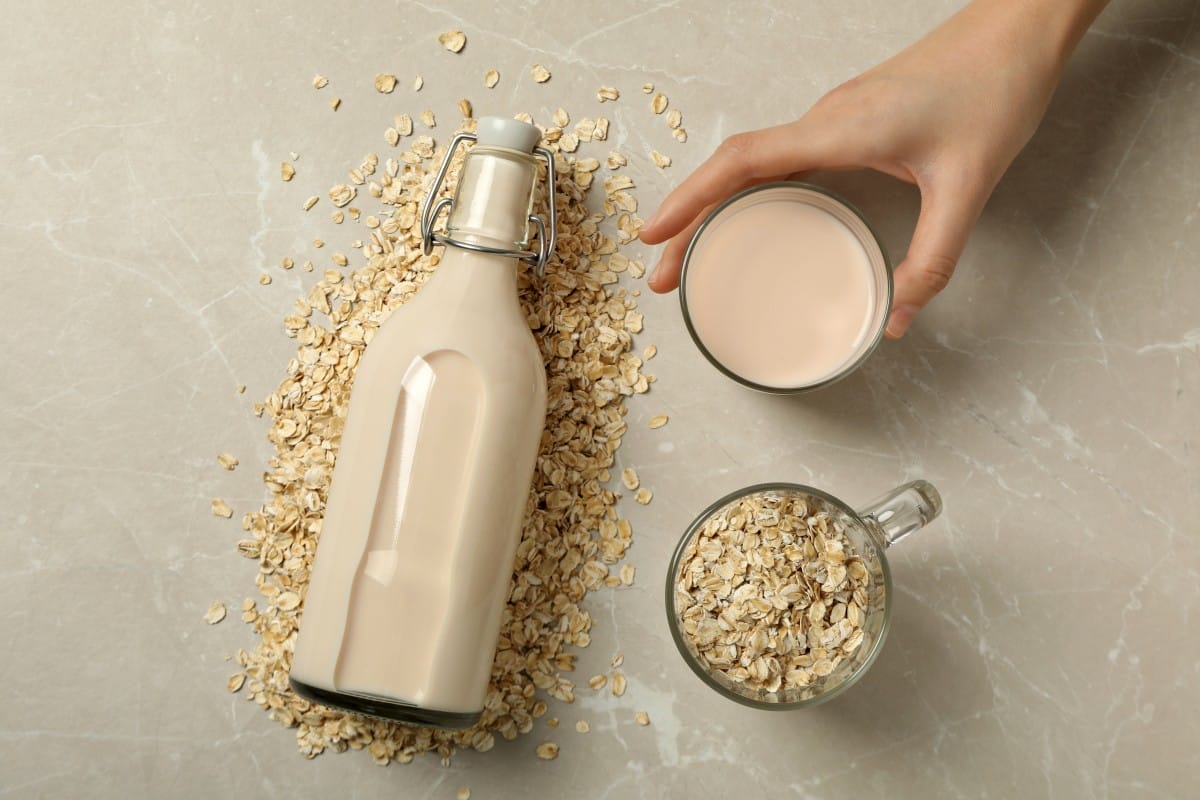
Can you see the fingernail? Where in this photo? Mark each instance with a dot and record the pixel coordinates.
(901, 318)
(653, 278)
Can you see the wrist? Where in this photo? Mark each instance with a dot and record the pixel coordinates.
(1050, 29)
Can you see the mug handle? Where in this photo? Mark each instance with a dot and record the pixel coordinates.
(903, 510)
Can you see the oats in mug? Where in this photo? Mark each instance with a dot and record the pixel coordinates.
(770, 592)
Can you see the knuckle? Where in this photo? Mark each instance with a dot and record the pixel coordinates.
(936, 273)
(737, 148)
(859, 96)
(840, 93)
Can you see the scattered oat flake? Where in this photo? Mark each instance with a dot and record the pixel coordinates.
(598, 681)
(650, 352)
(340, 259)
(628, 571)
(418, 82)
(642, 718)
(660, 161)
(427, 119)
(385, 83)
(404, 125)
(618, 660)
(221, 509)
(310, 202)
(335, 103)
(341, 194)
(287, 601)
(618, 684)
(318, 243)
(215, 613)
(647, 87)
(616, 160)
(657, 421)
(227, 460)
(491, 78)
(643, 496)
(287, 171)
(674, 119)
(320, 81)
(680, 135)
(561, 118)
(464, 793)
(607, 93)
(582, 726)
(552, 722)
(629, 478)
(659, 103)
(540, 74)
(465, 109)
(423, 147)
(453, 40)
(241, 389)
(235, 681)
(547, 751)
(585, 129)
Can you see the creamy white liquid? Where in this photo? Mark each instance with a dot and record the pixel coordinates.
(427, 497)
(421, 497)
(781, 291)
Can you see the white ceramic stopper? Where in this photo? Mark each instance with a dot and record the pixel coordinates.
(510, 133)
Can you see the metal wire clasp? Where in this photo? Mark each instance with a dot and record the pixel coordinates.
(547, 232)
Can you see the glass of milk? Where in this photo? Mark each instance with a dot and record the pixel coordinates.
(785, 288)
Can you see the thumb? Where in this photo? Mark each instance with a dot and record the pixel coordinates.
(941, 235)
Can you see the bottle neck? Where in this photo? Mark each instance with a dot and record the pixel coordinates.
(494, 198)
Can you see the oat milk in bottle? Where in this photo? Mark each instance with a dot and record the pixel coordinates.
(414, 563)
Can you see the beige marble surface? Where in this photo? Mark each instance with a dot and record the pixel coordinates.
(1046, 641)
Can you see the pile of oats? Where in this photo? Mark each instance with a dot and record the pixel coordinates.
(771, 594)
(584, 324)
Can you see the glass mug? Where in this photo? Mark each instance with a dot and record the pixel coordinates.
(870, 530)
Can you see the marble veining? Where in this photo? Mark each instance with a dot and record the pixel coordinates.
(1045, 636)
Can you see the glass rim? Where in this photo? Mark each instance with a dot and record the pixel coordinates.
(849, 367)
(703, 672)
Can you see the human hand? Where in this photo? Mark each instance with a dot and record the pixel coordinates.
(949, 114)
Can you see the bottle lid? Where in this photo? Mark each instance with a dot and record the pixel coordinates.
(510, 133)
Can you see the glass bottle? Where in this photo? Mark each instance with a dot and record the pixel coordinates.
(414, 563)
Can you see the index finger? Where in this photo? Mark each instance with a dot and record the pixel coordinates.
(741, 161)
